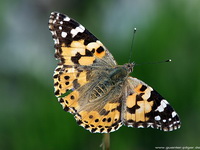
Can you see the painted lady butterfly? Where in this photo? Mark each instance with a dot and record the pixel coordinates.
(98, 92)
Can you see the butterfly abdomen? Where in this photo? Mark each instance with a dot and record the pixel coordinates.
(102, 88)
(115, 77)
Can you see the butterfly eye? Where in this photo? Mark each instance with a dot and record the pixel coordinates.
(129, 67)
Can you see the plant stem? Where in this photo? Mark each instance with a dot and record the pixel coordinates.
(106, 141)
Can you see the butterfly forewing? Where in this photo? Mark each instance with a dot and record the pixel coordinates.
(75, 45)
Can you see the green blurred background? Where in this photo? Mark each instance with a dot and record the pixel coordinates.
(30, 116)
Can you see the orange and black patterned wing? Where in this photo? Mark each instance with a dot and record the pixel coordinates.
(75, 45)
(144, 107)
(82, 57)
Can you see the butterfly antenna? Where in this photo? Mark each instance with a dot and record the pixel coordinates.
(131, 50)
(148, 63)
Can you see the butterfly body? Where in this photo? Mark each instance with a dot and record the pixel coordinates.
(99, 93)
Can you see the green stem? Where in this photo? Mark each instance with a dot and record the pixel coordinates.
(106, 141)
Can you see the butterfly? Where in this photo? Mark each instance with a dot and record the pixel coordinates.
(100, 94)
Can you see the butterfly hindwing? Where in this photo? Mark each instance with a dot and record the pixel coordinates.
(103, 118)
(147, 108)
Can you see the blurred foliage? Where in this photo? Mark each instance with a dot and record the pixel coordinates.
(31, 117)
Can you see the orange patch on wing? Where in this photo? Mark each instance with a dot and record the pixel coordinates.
(82, 78)
(86, 60)
(78, 44)
(129, 116)
(103, 53)
(72, 75)
(83, 114)
(66, 84)
(68, 61)
(63, 80)
(92, 45)
(63, 45)
(110, 119)
(148, 106)
(72, 99)
(71, 51)
(145, 107)
(147, 93)
(140, 115)
(95, 120)
(87, 117)
(100, 55)
(116, 116)
(131, 100)
(137, 89)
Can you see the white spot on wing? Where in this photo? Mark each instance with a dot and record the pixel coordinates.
(160, 109)
(173, 114)
(57, 17)
(82, 28)
(52, 32)
(74, 32)
(165, 129)
(66, 19)
(54, 21)
(157, 118)
(64, 34)
(78, 29)
(150, 88)
(166, 102)
(56, 41)
(140, 126)
(150, 125)
(171, 129)
(175, 122)
(162, 106)
(50, 21)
